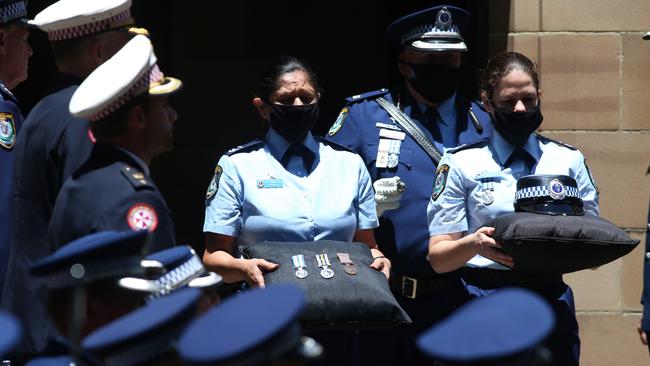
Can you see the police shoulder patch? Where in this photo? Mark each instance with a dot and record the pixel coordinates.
(7, 130)
(478, 143)
(142, 216)
(214, 184)
(548, 139)
(591, 177)
(440, 182)
(245, 147)
(135, 177)
(339, 122)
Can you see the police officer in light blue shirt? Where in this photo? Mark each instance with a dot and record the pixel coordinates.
(290, 186)
(477, 182)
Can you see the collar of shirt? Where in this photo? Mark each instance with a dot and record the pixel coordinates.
(504, 149)
(278, 145)
(446, 110)
(137, 159)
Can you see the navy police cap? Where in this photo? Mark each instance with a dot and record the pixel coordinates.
(509, 322)
(95, 256)
(146, 333)
(180, 267)
(434, 29)
(258, 325)
(10, 332)
(548, 194)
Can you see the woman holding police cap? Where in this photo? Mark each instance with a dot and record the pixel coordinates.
(478, 182)
(290, 186)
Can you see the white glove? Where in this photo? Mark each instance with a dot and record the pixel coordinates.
(388, 192)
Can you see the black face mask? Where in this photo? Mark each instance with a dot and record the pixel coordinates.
(435, 82)
(293, 122)
(515, 127)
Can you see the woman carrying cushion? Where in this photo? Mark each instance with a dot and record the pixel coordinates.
(289, 187)
(477, 182)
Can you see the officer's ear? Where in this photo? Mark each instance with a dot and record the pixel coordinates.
(262, 108)
(137, 117)
(405, 69)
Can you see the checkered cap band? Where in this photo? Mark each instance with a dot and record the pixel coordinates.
(542, 191)
(451, 32)
(179, 276)
(12, 11)
(115, 21)
(153, 75)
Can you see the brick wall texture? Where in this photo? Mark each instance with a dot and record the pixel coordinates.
(595, 72)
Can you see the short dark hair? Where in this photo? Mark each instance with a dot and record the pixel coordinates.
(267, 82)
(116, 123)
(502, 64)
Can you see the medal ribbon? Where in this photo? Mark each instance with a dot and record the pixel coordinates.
(323, 260)
(344, 258)
(298, 261)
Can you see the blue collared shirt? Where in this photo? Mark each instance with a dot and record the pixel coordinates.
(257, 199)
(462, 207)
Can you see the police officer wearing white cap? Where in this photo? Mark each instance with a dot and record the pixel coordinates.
(477, 182)
(126, 100)
(53, 143)
(401, 134)
(14, 55)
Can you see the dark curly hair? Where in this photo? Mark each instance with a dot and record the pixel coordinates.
(502, 64)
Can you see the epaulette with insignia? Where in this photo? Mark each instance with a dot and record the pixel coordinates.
(334, 145)
(548, 139)
(135, 177)
(477, 143)
(245, 147)
(372, 94)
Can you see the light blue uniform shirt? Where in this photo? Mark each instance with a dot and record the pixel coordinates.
(257, 199)
(462, 208)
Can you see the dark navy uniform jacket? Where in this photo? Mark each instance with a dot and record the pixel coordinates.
(645, 298)
(111, 191)
(10, 123)
(403, 233)
(51, 145)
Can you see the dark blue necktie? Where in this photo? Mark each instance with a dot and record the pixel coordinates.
(306, 155)
(432, 119)
(521, 154)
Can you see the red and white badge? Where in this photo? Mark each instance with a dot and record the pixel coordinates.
(142, 216)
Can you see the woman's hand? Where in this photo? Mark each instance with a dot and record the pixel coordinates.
(380, 263)
(490, 248)
(252, 270)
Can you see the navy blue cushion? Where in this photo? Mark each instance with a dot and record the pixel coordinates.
(548, 244)
(361, 301)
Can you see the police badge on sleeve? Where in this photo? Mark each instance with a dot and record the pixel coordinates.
(440, 181)
(7, 131)
(214, 184)
(339, 122)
